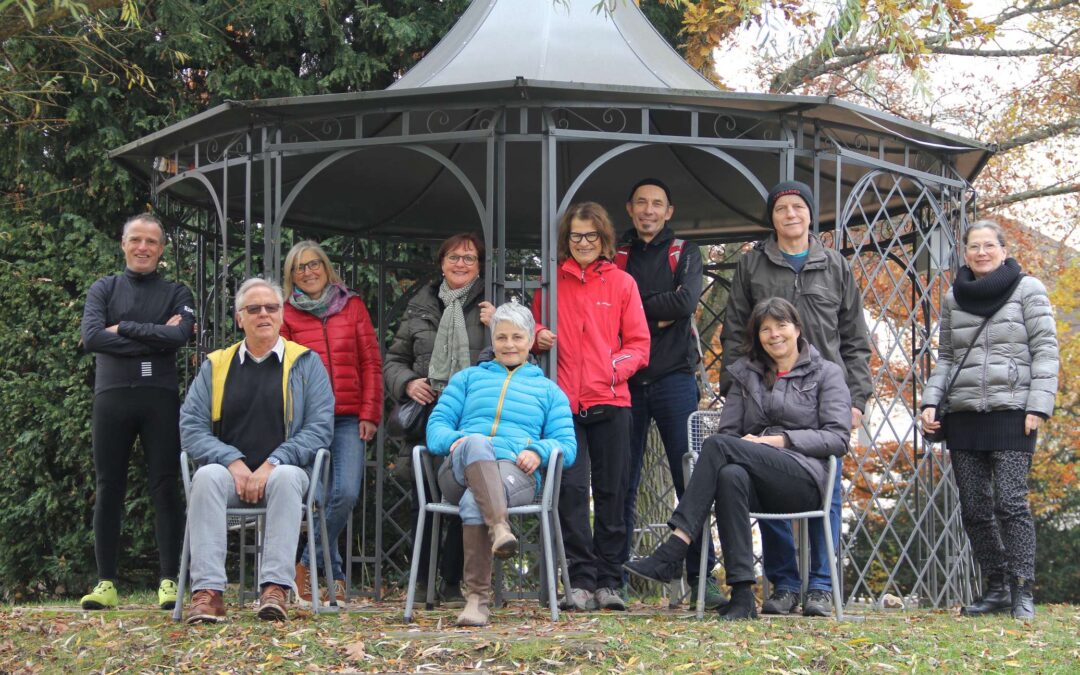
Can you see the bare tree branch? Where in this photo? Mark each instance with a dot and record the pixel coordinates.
(1031, 194)
(1039, 134)
(820, 62)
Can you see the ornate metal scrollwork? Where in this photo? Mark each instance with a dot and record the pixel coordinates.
(217, 149)
(613, 120)
(442, 121)
(327, 129)
(727, 126)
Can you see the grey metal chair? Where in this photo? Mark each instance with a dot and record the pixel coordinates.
(700, 426)
(545, 506)
(244, 515)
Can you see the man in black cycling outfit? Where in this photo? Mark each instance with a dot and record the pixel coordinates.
(133, 323)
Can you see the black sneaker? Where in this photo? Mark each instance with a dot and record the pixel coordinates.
(780, 602)
(818, 603)
(663, 564)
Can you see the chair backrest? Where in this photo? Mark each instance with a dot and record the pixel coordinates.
(428, 483)
(320, 473)
(700, 425)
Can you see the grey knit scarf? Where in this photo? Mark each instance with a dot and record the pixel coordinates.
(451, 352)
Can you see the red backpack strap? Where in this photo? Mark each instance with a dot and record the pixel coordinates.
(622, 256)
(674, 252)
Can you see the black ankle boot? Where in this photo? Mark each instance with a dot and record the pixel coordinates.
(996, 599)
(664, 564)
(742, 605)
(1023, 598)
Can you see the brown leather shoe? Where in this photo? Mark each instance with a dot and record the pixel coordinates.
(207, 606)
(272, 603)
(303, 585)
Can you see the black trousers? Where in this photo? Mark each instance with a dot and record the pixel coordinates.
(595, 555)
(152, 415)
(740, 477)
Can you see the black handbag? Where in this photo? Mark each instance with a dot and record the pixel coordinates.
(939, 435)
(408, 420)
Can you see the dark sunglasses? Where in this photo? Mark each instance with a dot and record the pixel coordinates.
(255, 310)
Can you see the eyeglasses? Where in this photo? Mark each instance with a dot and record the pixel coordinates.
(314, 266)
(255, 310)
(989, 247)
(469, 260)
(590, 237)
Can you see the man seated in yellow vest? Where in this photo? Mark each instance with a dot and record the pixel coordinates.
(254, 418)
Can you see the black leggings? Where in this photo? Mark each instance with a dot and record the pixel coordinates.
(994, 509)
(153, 415)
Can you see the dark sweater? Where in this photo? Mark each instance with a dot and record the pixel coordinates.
(666, 297)
(142, 353)
(252, 410)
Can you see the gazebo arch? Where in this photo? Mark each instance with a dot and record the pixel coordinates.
(506, 119)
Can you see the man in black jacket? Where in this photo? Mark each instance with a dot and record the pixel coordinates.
(669, 278)
(134, 322)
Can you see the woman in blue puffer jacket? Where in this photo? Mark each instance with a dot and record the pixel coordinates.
(499, 422)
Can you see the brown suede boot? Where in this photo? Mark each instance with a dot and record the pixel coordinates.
(477, 575)
(485, 481)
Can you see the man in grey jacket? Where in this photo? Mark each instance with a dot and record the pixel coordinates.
(254, 441)
(793, 264)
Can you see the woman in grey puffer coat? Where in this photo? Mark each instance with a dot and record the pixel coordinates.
(1003, 392)
(787, 412)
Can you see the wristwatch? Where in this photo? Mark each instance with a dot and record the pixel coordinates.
(273, 461)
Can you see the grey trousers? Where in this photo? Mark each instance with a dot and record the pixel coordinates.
(212, 491)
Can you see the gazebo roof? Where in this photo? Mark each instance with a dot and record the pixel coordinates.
(555, 42)
(558, 58)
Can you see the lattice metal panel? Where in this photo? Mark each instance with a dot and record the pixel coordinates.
(903, 531)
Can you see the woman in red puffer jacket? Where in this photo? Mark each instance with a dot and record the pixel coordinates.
(603, 339)
(323, 315)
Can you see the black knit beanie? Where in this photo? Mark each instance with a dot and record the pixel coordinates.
(789, 187)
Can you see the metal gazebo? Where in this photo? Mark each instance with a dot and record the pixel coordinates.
(525, 107)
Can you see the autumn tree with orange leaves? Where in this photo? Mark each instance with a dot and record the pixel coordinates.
(1004, 73)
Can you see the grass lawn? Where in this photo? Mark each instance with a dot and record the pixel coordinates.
(372, 638)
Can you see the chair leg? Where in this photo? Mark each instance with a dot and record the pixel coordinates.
(260, 536)
(706, 537)
(803, 553)
(312, 555)
(560, 550)
(243, 558)
(328, 573)
(549, 566)
(181, 580)
(433, 560)
(833, 572)
(414, 565)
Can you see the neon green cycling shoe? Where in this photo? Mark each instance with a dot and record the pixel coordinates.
(166, 594)
(102, 597)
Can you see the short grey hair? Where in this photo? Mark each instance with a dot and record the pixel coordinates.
(143, 218)
(987, 224)
(515, 314)
(256, 282)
